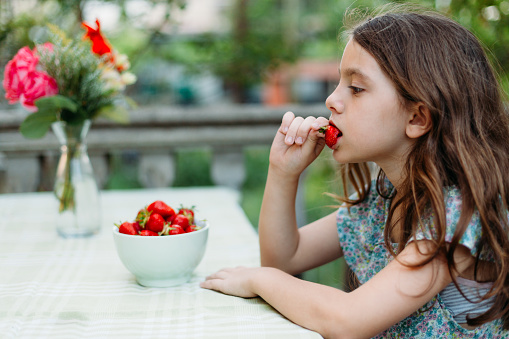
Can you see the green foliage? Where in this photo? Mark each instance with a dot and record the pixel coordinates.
(321, 181)
(489, 21)
(78, 74)
(123, 172)
(37, 124)
(193, 168)
(256, 163)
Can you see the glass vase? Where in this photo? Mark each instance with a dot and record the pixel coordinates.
(79, 210)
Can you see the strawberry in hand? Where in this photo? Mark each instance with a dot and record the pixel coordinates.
(332, 133)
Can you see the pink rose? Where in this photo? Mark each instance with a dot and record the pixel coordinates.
(23, 79)
(37, 85)
(16, 73)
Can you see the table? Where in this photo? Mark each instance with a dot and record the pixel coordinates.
(52, 287)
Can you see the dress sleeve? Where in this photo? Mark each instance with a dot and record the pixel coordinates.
(453, 202)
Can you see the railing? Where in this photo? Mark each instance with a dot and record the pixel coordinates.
(155, 133)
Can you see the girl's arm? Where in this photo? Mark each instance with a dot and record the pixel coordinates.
(282, 245)
(390, 296)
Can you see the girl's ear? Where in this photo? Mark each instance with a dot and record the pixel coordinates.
(419, 122)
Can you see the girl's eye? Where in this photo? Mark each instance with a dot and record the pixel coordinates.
(355, 90)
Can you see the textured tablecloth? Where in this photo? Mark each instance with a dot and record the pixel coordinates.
(77, 288)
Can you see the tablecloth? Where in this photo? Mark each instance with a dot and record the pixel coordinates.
(52, 287)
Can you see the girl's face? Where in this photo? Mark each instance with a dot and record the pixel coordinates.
(369, 113)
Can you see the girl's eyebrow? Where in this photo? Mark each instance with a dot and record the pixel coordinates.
(349, 72)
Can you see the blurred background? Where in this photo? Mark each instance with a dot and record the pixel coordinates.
(214, 79)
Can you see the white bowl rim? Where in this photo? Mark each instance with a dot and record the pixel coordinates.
(115, 231)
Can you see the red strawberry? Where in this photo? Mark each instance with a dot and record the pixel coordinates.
(192, 228)
(175, 229)
(149, 233)
(331, 135)
(170, 218)
(131, 228)
(161, 208)
(188, 212)
(155, 223)
(142, 217)
(180, 220)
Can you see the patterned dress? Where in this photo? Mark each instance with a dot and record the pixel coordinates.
(361, 237)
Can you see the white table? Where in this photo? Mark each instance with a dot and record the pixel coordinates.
(77, 288)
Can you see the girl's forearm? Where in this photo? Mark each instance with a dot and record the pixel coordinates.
(303, 302)
(277, 226)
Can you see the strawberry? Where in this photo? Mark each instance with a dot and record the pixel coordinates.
(148, 233)
(161, 208)
(155, 223)
(170, 218)
(131, 228)
(142, 217)
(181, 220)
(175, 229)
(331, 135)
(188, 212)
(192, 228)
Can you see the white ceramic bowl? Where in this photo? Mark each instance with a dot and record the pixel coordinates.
(162, 261)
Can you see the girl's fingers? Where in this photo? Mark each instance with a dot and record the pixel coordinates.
(286, 122)
(303, 131)
(320, 122)
(295, 130)
(292, 131)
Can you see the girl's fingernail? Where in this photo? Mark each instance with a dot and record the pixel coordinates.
(299, 140)
(289, 140)
(285, 129)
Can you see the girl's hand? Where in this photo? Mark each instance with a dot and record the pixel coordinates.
(297, 143)
(233, 281)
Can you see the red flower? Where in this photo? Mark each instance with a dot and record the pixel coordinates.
(100, 44)
(37, 85)
(16, 73)
(24, 82)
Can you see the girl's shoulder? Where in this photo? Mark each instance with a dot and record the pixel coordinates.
(453, 207)
(374, 204)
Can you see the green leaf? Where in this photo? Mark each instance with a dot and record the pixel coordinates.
(116, 113)
(56, 103)
(36, 125)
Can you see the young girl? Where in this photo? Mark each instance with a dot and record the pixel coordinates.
(428, 239)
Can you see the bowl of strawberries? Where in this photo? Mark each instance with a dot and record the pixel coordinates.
(161, 246)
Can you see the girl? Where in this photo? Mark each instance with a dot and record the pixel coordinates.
(428, 239)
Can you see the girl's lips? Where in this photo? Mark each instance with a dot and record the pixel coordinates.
(332, 135)
(333, 124)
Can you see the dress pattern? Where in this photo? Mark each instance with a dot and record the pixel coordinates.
(361, 237)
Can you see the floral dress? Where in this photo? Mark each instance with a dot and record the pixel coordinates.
(362, 241)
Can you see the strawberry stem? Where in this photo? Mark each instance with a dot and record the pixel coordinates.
(323, 129)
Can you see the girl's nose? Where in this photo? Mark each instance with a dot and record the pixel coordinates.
(334, 102)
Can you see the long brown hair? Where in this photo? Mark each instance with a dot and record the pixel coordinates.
(433, 60)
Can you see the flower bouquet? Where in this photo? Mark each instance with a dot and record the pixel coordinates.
(65, 84)
(67, 80)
